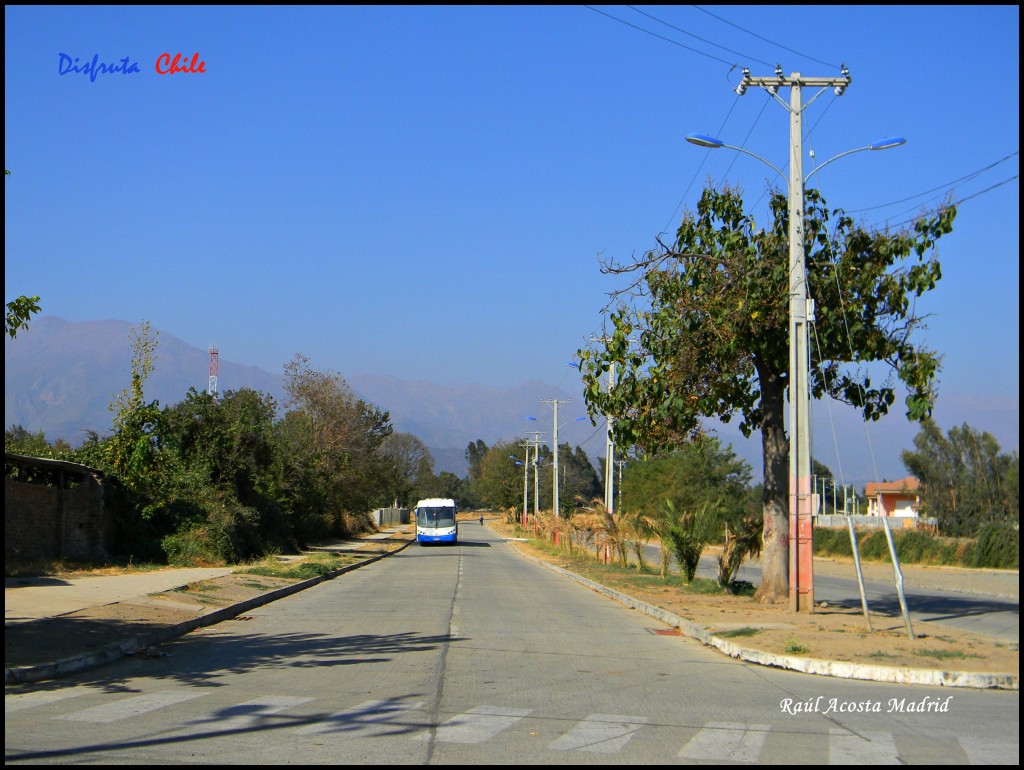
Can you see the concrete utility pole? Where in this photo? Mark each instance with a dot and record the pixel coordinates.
(801, 314)
(554, 494)
(536, 471)
(609, 454)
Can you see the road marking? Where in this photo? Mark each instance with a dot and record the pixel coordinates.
(981, 751)
(727, 741)
(372, 713)
(601, 733)
(130, 707)
(846, 748)
(477, 725)
(249, 714)
(28, 700)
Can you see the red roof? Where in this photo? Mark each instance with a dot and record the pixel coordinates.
(907, 486)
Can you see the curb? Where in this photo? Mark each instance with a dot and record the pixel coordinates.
(117, 650)
(921, 676)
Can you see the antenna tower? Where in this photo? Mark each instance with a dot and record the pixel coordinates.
(214, 368)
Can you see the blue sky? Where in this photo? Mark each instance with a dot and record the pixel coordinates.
(427, 192)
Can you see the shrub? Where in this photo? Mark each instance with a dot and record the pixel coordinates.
(998, 547)
(198, 545)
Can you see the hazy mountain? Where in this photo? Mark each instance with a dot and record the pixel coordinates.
(61, 375)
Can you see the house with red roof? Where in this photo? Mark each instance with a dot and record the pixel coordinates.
(895, 499)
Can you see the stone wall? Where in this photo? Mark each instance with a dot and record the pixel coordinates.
(53, 509)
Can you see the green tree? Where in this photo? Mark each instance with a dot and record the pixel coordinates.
(134, 451)
(966, 481)
(331, 443)
(20, 309)
(409, 464)
(710, 316)
(500, 481)
(18, 440)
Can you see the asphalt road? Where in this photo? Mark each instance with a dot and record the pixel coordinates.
(473, 655)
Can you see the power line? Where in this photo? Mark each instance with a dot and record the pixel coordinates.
(957, 202)
(678, 29)
(660, 37)
(759, 37)
(940, 187)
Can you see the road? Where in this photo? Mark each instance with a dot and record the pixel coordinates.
(471, 654)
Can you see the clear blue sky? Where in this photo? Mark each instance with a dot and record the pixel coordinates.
(427, 192)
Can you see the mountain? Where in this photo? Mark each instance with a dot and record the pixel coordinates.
(61, 375)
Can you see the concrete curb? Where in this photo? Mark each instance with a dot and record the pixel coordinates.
(933, 677)
(117, 650)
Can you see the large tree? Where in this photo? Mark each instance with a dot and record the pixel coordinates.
(966, 481)
(703, 331)
(331, 440)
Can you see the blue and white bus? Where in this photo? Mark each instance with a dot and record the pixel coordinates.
(435, 521)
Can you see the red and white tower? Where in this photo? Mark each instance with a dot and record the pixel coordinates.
(214, 368)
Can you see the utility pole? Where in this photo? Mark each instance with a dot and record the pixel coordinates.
(536, 471)
(554, 498)
(526, 482)
(801, 314)
(609, 445)
(609, 454)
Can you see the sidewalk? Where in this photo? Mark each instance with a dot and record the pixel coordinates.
(55, 626)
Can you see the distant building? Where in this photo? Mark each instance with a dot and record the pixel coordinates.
(898, 499)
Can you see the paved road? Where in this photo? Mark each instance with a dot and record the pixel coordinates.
(473, 655)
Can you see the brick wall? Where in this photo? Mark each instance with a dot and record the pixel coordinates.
(53, 509)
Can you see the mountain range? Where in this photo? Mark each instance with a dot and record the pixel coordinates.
(61, 375)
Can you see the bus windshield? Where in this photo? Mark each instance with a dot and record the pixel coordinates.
(435, 517)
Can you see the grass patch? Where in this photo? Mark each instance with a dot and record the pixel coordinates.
(793, 647)
(15, 567)
(878, 654)
(735, 632)
(314, 565)
(943, 654)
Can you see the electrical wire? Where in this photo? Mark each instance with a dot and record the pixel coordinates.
(660, 37)
(759, 37)
(678, 29)
(964, 178)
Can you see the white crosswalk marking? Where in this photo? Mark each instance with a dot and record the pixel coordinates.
(982, 751)
(477, 725)
(727, 742)
(846, 748)
(372, 713)
(247, 714)
(22, 701)
(130, 707)
(601, 733)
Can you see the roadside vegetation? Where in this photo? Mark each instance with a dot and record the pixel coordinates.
(233, 479)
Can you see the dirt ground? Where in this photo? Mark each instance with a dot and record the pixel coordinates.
(829, 633)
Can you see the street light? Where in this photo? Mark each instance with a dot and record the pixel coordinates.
(801, 313)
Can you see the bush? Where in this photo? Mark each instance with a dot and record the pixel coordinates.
(832, 542)
(199, 545)
(998, 547)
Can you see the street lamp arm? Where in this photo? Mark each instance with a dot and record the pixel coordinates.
(702, 140)
(884, 144)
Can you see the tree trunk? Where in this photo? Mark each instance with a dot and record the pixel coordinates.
(774, 588)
